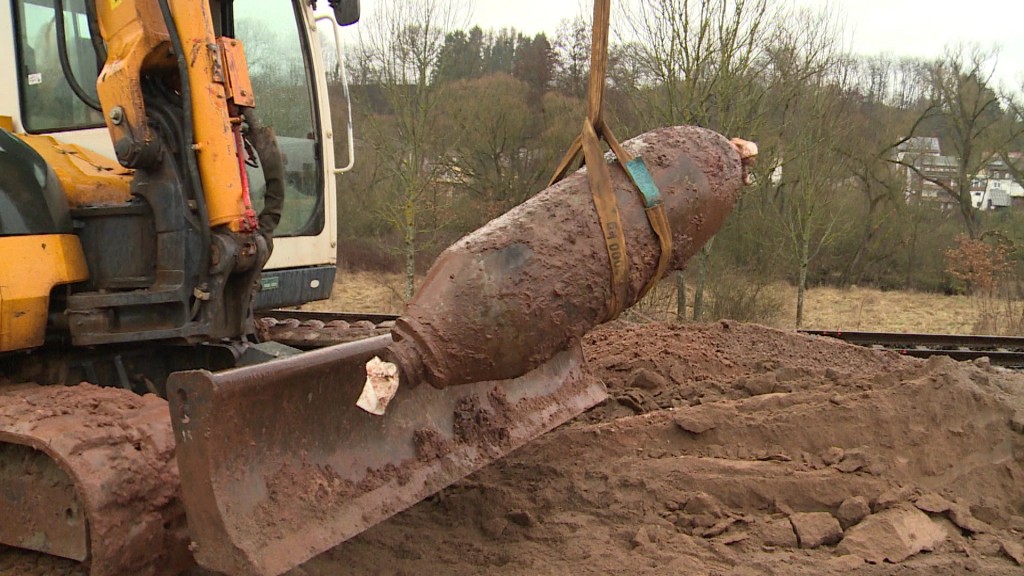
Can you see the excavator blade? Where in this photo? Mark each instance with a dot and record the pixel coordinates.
(278, 464)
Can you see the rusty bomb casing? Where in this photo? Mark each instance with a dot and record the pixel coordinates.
(509, 296)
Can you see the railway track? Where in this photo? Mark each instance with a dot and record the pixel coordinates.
(1007, 351)
(308, 329)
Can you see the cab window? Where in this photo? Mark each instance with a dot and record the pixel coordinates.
(47, 102)
(279, 67)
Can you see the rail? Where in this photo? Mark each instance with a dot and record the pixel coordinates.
(1005, 351)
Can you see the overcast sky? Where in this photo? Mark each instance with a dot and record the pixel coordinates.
(898, 27)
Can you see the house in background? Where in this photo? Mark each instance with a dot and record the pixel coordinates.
(997, 188)
(993, 188)
(930, 169)
(918, 146)
(991, 198)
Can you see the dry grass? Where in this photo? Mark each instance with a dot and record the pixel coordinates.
(826, 308)
(874, 310)
(364, 292)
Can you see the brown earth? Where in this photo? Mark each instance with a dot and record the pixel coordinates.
(733, 449)
(718, 440)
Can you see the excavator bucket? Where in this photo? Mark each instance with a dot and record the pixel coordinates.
(278, 464)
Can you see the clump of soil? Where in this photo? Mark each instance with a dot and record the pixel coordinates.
(737, 449)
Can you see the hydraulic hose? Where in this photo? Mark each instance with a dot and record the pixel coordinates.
(189, 155)
(94, 35)
(65, 65)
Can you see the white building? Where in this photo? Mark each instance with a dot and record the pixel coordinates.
(995, 188)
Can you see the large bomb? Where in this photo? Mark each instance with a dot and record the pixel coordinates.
(508, 297)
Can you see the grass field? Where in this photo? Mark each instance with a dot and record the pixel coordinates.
(896, 311)
(826, 308)
(364, 292)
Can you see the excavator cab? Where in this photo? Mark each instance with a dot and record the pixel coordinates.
(285, 66)
(185, 152)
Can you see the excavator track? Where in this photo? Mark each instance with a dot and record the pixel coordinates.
(91, 482)
(89, 475)
(309, 330)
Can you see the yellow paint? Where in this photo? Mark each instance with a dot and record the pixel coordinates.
(7, 123)
(31, 267)
(217, 152)
(136, 39)
(138, 42)
(88, 178)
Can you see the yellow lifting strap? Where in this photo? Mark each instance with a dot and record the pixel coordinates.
(599, 176)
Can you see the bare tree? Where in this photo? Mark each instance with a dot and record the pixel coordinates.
(695, 62)
(886, 96)
(1013, 127)
(699, 61)
(499, 158)
(799, 154)
(968, 113)
(400, 49)
(572, 54)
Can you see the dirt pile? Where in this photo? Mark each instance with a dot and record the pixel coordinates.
(738, 449)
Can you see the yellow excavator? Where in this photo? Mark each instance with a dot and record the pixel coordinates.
(167, 171)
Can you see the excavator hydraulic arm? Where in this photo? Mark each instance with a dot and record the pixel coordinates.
(214, 77)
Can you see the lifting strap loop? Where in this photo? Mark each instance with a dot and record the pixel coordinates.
(637, 171)
(603, 192)
(598, 175)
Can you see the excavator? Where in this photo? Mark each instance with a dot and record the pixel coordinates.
(167, 174)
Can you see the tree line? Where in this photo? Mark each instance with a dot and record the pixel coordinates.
(457, 124)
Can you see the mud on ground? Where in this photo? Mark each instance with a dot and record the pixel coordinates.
(733, 449)
(736, 449)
